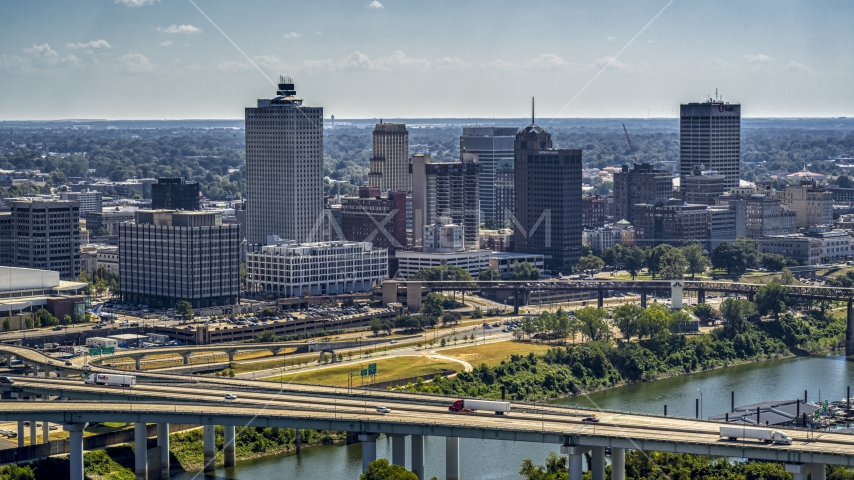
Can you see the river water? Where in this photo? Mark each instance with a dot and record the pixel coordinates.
(486, 460)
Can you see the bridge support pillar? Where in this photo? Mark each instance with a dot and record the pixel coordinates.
(701, 296)
(515, 302)
(75, 456)
(138, 362)
(186, 357)
(452, 458)
(298, 441)
(849, 331)
(9, 361)
(140, 449)
(398, 450)
(45, 432)
(209, 436)
(618, 464)
(817, 471)
(417, 454)
(369, 448)
(574, 455)
(228, 446)
(643, 299)
(20, 431)
(601, 298)
(598, 463)
(163, 443)
(34, 437)
(798, 470)
(231, 355)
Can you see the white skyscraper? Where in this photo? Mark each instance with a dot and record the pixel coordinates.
(284, 168)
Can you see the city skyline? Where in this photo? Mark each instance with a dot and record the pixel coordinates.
(155, 60)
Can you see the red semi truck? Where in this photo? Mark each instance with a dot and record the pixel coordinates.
(471, 405)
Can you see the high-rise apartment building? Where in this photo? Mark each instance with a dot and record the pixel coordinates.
(90, 200)
(169, 256)
(284, 168)
(494, 148)
(174, 194)
(447, 189)
(389, 164)
(46, 235)
(710, 135)
(547, 199)
(640, 184)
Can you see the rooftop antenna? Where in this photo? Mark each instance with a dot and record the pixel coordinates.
(532, 111)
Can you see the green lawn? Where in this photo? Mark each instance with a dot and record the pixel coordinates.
(388, 369)
(493, 353)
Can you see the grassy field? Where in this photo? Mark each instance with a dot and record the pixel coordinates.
(388, 369)
(493, 353)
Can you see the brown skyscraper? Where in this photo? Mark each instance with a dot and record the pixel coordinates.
(548, 199)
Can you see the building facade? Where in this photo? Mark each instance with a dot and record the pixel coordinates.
(472, 261)
(175, 194)
(108, 220)
(505, 262)
(445, 190)
(90, 200)
(812, 204)
(593, 211)
(375, 217)
(7, 252)
(284, 168)
(389, 164)
(673, 223)
(804, 249)
(323, 268)
(548, 199)
(169, 256)
(702, 187)
(640, 184)
(710, 138)
(600, 239)
(46, 236)
(494, 149)
(505, 188)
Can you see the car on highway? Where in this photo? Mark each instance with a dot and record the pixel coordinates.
(230, 396)
(57, 329)
(393, 341)
(383, 410)
(68, 363)
(592, 419)
(6, 380)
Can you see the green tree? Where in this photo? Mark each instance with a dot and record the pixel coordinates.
(774, 262)
(490, 274)
(592, 323)
(626, 318)
(610, 256)
(703, 310)
(7, 325)
(28, 323)
(17, 472)
(525, 271)
(736, 314)
(653, 259)
(243, 274)
(634, 259)
(696, 257)
(477, 312)
(736, 257)
(66, 320)
(432, 306)
(586, 249)
(672, 264)
(440, 273)
(654, 321)
(380, 469)
(184, 309)
(376, 326)
(554, 469)
(771, 298)
(590, 264)
(786, 277)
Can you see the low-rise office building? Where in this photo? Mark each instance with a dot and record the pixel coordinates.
(812, 204)
(23, 291)
(806, 250)
(505, 262)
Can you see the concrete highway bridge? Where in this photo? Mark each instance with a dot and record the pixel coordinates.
(264, 404)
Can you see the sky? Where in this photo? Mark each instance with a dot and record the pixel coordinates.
(180, 59)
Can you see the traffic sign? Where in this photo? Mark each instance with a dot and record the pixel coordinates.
(108, 350)
(94, 352)
(372, 369)
(364, 372)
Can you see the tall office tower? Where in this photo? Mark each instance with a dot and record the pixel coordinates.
(493, 146)
(174, 194)
(447, 189)
(548, 199)
(284, 168)
(640, 184)
(169, 256)
(505, 180)
(46, 236)
(7, 252)
(90, 200)
(389, 165)
(710, 135)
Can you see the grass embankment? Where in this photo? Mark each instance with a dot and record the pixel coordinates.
(251, 442)
(388, 369)
(493, 354)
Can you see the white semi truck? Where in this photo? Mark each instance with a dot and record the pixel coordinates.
(767, 435)
(471, 405)
(111, 380)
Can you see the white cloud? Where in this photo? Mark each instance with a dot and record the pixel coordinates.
(136, 3)
(93, 44)
(167, 43)
(135, 63)
(613, 62)
(42, 50)
(292, 35)
(548, 61)
(610, 38)
(375, 4)
(180, 29)
(234, 66)
(794, 66)
(758, 58)
(271, 63)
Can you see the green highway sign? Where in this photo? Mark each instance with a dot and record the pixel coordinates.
(364, 372)
(108, 351)
(372, 369)
(94, 352)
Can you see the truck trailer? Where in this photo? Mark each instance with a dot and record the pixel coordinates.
(472, 405)
(111, 380)
(767, 435)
